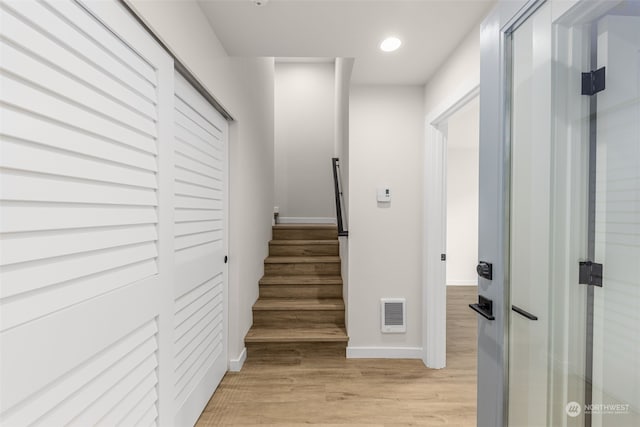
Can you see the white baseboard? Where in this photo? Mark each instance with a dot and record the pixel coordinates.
(303, 220)
(384, 352)
(462, 282)
(236, 364)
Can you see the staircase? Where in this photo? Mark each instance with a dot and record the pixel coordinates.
(300, 307)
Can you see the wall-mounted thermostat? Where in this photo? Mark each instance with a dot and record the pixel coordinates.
(384, 195)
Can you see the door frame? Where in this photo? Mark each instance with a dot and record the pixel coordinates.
(434, 295)
(505, 17)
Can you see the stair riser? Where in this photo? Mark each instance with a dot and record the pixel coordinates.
(301, 234)
(266, 340)
(296, 269)
(300, 291)
(303, 250)
(298, 318)
(295, 351)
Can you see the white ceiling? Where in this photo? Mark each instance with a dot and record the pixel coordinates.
(429, 29)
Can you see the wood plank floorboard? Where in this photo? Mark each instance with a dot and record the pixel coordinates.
(327, 389)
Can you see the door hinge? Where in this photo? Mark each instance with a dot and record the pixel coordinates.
(590, 273)
(443, 257)
(593, 81)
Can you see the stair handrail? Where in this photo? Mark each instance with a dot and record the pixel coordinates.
(337, 186)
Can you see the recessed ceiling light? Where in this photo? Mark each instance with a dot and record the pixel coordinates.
(390, 44)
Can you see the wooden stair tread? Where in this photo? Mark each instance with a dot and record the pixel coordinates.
(326, 232)
(301, 259)
(326, 333)
(303, 242)
(305, 227)
(301, 280)
(299, 304)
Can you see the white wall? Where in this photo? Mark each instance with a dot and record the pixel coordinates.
(244, 86)
(304, 139)
(462, 195)
(344, 67)
(460, 70)
(343, 70)
(251, 190)
(385, 242)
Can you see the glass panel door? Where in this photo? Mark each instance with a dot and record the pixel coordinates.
(616, 310)
(574, 331)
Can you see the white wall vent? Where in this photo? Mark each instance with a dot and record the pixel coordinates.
(393, 315)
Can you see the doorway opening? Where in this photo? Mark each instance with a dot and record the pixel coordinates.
(451, 220)
(462, 161)
(462, 144)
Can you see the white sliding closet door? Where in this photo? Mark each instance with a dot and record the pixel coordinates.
(200, 293)
(112, 224)
(81, 284)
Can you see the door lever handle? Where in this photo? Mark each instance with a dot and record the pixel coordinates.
(524, 313)
(484, 307)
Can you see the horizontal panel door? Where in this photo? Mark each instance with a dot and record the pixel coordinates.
(83, 102)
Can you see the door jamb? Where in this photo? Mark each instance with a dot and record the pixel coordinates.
(434, 296)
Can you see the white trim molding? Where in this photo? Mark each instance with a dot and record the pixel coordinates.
(235, 365)
(473, 282)
(384, 352)
(434, 295)
(306, 220)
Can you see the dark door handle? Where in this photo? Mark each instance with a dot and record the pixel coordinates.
(524, 313)
(484, 307)
(485, 270)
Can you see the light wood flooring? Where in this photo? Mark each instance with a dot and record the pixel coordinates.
(324, 388)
